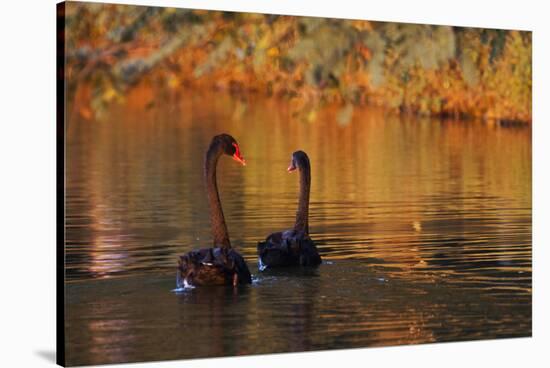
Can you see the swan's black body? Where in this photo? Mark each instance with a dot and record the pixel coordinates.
(212, 266)
(293, 247)
(288, 248)
(219, 265)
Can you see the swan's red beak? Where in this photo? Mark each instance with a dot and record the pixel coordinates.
(291, 168)
(237, 155)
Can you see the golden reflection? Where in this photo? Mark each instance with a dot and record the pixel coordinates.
(387, 189)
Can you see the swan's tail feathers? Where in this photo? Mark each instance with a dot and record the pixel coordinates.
(239, 267)
(309, 256)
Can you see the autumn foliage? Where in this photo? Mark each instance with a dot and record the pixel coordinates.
(409, 68)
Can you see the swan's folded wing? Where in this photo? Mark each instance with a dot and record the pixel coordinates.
(240, 267)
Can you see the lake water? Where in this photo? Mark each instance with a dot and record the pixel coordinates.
(424, 227)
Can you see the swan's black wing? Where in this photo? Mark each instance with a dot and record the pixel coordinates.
(212, 266)
(309, 256)
(239, 267)
(287, 248)
(275, 252)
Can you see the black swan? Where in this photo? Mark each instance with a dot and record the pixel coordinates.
(219, 265)
(292, 247)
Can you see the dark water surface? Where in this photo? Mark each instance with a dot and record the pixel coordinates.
(425, 227)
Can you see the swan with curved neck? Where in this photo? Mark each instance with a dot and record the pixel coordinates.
(221, 264)
(293, 247)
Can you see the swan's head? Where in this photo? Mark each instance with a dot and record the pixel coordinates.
(299, 160)
(230, 147)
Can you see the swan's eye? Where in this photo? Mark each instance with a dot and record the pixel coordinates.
(237, 155)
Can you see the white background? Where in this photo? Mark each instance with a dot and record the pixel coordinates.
(27, 181)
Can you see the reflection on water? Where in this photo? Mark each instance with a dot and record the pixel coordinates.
(427, 223)
(344, 304)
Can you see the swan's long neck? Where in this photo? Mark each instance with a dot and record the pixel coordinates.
(302, 214)
(217, 221)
